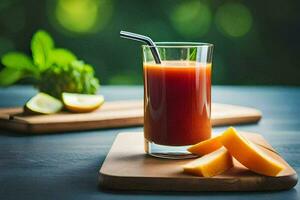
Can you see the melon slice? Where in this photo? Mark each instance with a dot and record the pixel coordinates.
(249, 154)
(82, 102)
(205, 147)
(211, 164)
(43, 103)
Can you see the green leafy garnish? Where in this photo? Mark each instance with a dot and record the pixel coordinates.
(193, 55)
(17, 60)
(41, 47)
(75, 77)
(9, 76)
(61, 57)
(56, 70)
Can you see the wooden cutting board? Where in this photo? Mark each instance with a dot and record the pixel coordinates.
(111, 114)
(127, 167)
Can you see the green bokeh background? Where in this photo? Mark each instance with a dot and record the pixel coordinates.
(256, 42)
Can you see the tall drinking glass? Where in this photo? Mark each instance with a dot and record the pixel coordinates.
(177, 98)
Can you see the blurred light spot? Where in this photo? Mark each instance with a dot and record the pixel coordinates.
(233, 19)
(83, 16)
(191, 19)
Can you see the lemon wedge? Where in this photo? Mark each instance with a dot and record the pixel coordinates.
(82, 102)
(43, 103)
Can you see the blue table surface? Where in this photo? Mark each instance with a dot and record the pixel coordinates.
(65, 166)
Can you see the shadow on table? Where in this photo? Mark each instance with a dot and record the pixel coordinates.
(291, 194)
(24, 134)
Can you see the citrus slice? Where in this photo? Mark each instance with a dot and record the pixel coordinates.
(211, 164)
(249, 154)
(82, 102)
(206, 146)
(43, 103)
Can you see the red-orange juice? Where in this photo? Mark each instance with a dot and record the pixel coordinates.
(177, 102)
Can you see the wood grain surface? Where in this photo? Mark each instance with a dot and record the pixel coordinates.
(127, 167)
(111, 115)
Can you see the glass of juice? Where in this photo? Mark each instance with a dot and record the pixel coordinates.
(177, 98)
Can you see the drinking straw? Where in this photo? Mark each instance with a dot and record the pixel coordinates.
(145, 39)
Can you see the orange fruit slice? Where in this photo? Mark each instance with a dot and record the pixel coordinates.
(249, 154)
(206, 146)
(211, 164)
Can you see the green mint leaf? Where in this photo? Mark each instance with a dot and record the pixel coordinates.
(62, 57)
(9, 76)
(18, 60)
(193, 55)
(41, 46)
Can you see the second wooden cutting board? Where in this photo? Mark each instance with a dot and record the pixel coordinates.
(110, 115)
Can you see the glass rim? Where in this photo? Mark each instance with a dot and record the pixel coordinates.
(179, 45)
